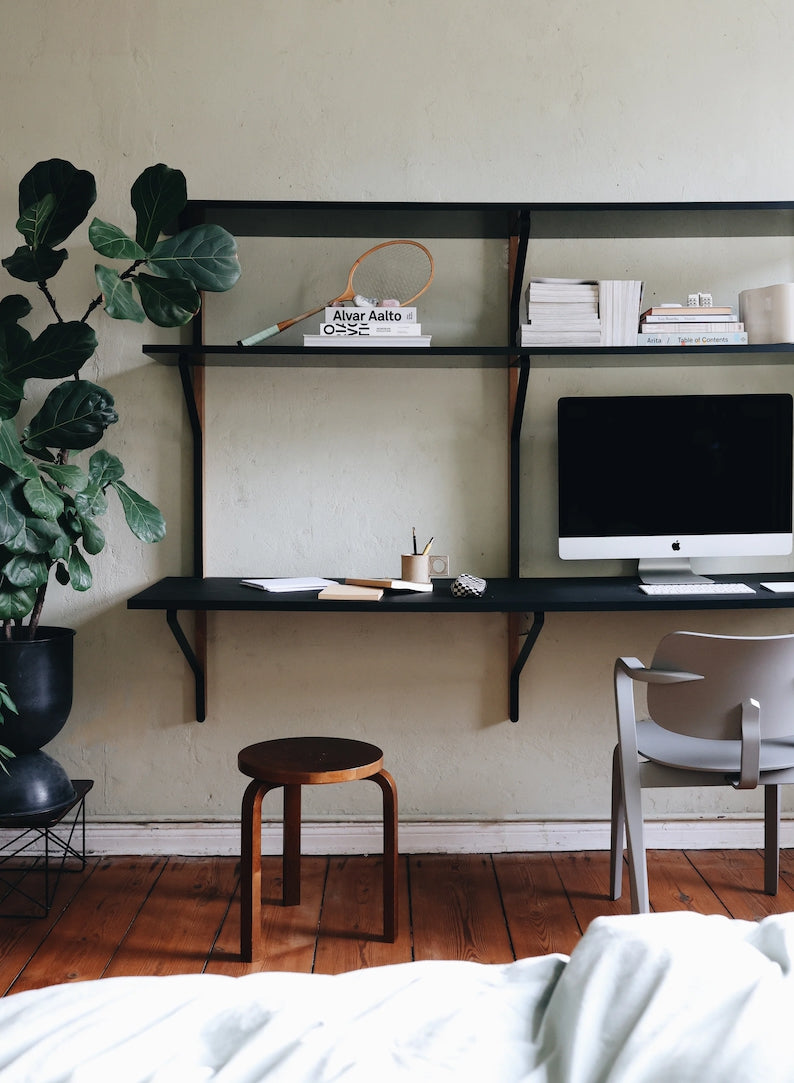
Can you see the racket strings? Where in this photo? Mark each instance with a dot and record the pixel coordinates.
(397, 271)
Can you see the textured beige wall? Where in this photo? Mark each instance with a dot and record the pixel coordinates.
(316, 471)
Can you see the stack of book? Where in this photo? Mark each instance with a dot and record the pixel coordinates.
(619, 303)
(377, 325)
(690, 325)
(561, 312)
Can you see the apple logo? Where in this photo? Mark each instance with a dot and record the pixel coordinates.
(676, 546)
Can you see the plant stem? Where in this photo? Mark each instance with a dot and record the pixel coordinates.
(50, 300)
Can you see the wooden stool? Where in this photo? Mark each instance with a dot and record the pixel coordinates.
(293, 762)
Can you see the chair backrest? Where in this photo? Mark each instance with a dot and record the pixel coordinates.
(734, 669)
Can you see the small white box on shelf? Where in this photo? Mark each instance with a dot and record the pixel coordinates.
(768, 313)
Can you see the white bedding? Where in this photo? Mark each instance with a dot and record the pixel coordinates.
(660, 998)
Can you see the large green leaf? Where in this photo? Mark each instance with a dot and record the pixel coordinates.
(27, 571)
(66, 474)
(143, 518)
(40, 535)
(12, 521)
(93, 536)
(45, 501)
(34, 221)
(157, 196)
(74, 191)
(79, 572)
(15, 604)
(61, 350)
(38, 266)
(112, 242)
(118, 296)
(75, 414)
(15, 346)
(168, 302)
(14, 307)
(206, 255)
(11, 453)
(104, 468)
(91, 502)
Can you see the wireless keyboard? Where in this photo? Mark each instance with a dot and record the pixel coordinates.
(696, 588)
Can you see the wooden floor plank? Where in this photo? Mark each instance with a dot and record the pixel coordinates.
(539, 915)
(585, 877)
(180, 920)
(737, 878)
(22, 937)
(83, 942)
(289, 933)
(351, 929)
(456, 909)
(675, 884)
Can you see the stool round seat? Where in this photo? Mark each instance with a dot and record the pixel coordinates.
(309, 761)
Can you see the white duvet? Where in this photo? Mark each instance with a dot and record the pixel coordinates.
(668, 998)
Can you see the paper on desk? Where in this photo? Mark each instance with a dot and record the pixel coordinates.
(283, 586)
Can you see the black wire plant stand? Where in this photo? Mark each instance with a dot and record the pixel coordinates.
(38, 849)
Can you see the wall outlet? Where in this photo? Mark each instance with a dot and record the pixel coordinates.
(439, 565)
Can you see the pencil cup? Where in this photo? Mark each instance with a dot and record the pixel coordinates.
(416, 569)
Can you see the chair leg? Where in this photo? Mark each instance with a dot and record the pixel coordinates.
(635, 835)
(771, 839)
(390, 854)
(291, 868)
(617, 831)
(251, 871)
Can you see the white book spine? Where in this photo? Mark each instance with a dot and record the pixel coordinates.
(691, 328)
(380, 315)
(370, 330)
(685, 317)
(727, 338)
(343, 341)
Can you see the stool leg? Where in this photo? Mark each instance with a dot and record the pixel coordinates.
(251, 870)
(390, 854)
(291, 870)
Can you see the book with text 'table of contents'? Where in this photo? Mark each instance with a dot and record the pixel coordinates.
(727, 338)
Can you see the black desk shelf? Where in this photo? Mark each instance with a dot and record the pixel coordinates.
(513, 596)
(514, 224)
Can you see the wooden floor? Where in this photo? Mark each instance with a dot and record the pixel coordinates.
(127, 915)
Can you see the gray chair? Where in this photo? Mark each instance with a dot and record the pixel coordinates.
(720, 713)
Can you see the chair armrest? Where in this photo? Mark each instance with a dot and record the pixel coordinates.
(751, 746)
(634, 669)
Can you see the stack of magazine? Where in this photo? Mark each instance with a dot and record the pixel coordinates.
(561, 312)
(374, 325)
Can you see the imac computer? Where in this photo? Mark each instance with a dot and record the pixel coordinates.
(664, 478)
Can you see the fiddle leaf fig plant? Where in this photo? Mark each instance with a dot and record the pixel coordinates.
(50, 505)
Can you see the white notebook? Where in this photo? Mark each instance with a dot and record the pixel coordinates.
(284, 586)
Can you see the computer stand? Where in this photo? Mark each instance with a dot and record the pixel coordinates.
(32, 860)
(669, 570)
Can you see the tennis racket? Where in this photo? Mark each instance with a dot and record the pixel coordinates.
(401, 270)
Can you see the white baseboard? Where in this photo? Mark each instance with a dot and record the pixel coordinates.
(422, 837)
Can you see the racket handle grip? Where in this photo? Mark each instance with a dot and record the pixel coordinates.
(260, 336)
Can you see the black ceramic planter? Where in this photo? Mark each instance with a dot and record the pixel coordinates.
(39, 674)
(35, 785)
